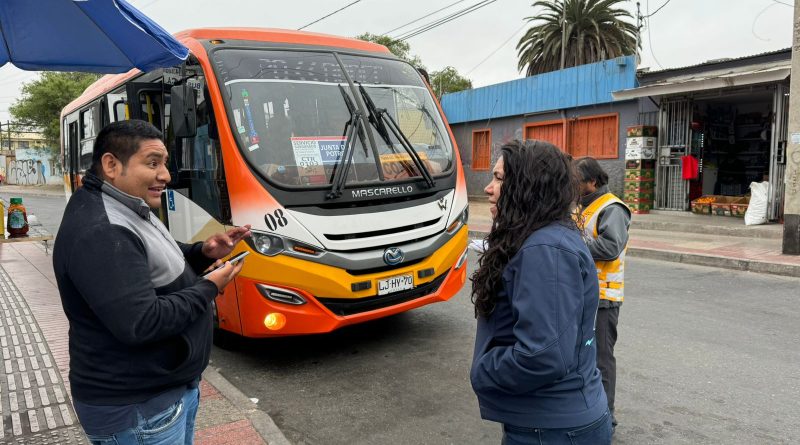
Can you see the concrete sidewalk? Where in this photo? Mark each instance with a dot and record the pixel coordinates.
(723, 242)
(35, 403)
(33, 190)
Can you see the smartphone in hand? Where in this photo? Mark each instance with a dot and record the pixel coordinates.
(233, 261)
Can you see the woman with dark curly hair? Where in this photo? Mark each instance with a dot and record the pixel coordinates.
(536, 294)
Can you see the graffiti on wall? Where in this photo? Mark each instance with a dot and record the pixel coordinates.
(26, 172)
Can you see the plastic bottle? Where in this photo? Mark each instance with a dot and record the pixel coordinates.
(17, 218)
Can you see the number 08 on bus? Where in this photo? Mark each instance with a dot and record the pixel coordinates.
(334, 150)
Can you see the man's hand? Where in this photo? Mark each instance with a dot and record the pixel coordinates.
(221, 244)
(221, 277)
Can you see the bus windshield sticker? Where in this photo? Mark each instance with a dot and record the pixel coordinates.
(252, 135)
(253, 147)
(237, 117)
(312, 154)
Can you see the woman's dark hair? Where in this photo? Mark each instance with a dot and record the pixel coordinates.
(539, 187)
(122, 139)
(590, 170)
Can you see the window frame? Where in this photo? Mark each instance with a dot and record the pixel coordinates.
(564, 125)
(569, 140)
(476, 155)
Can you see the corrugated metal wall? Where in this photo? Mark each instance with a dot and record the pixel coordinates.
(572, 87)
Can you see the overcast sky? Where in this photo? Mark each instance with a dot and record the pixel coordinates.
(482, 44)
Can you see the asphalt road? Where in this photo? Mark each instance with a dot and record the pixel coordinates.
(705, 356)
(47, 209)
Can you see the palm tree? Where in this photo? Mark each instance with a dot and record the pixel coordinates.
(594, 31)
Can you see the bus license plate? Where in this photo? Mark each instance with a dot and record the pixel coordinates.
(395, 284)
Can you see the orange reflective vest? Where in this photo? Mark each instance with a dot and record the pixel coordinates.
(610, 274)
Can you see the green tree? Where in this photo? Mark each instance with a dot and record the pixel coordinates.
(398, 48)
(594, 30)
(447, 80)
(43, 98)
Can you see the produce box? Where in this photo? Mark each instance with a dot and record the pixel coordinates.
(636, 185)
(722, 205)
(638, 196)
(640, 173)
(637, 131)
(639, 164)
(739, 207)
(702, 205)
(640, 148)
(640, 207)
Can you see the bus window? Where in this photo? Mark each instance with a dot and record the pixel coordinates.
(120, 110)
(152, 106)
(290, 111)
(88, 134)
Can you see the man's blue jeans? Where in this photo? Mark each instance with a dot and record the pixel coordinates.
(595, 433)
(173, 426)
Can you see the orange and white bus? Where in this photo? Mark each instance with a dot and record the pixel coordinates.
(335, 151)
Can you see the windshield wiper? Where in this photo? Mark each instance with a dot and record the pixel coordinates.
(353, 129)
(380, 116)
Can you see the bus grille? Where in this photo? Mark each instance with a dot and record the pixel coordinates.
(347, 306)
(359, 235)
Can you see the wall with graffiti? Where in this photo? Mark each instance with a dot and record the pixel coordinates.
(31, 167)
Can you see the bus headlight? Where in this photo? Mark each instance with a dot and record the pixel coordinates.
(460, 220)
(267, 244)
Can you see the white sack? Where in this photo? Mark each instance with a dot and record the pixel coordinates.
(757, 209)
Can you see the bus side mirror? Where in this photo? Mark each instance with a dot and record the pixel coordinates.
(183, 111)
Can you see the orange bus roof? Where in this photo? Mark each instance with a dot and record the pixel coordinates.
(111, 81)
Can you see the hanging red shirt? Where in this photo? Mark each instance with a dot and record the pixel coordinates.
(690, 168)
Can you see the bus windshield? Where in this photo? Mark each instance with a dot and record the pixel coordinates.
(290, 111)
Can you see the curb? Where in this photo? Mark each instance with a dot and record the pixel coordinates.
(788, 270)
(721, 262)
(261, 421)
(741, 232)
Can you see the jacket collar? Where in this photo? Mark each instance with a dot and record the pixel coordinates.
(590, 198)
(92, 181)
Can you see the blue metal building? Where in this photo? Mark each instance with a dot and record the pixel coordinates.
(572, 108)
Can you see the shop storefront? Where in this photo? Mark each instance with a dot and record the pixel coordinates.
(722, 126)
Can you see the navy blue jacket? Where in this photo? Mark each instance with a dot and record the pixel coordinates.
(535, 357)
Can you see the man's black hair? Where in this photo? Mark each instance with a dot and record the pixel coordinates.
(590, 170)
(122, 139)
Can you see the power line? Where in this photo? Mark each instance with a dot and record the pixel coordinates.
(783, 3)
(659, 9)
(439, 22)
(497, 49)
(423, 17)
(325, 17)
(649, 36)
(755, 20)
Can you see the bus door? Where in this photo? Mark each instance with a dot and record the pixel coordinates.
(71, 152)
(146, 101)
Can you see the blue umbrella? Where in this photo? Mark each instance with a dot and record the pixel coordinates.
(100, 36)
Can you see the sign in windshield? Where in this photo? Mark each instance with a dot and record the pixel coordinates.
(290, 115)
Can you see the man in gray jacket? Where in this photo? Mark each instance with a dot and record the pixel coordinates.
(140, 314)
(606, 220)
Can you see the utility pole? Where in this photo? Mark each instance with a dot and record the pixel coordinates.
(791, 206)
(638, 31)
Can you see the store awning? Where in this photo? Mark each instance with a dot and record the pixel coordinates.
(100, 36)
(708, 81)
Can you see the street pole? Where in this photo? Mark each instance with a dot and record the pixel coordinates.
(791, 206)
(638, 31)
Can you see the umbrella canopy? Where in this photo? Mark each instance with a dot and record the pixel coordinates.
(99, 36)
